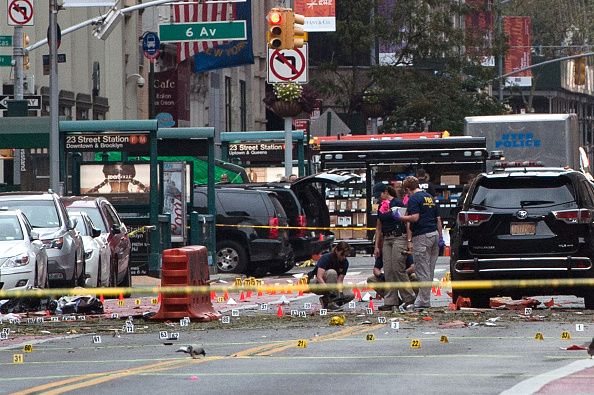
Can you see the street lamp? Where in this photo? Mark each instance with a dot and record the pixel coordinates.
(106, 26)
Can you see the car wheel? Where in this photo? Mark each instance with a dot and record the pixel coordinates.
(480, 300)
(589, 302)
(231, 257)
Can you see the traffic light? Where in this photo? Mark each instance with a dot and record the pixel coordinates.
(298, 33)
(275, 33)
(579, 71)
(25, 53)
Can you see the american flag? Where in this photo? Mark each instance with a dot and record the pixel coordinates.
(187, 13)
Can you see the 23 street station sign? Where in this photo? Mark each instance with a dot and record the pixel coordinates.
(128, 142)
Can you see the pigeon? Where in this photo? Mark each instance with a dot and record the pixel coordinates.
(591, 349)
(193, 350)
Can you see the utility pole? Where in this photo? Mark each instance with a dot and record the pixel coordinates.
(17, 55)
(54, 153)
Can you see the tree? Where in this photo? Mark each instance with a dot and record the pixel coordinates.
(429, 79)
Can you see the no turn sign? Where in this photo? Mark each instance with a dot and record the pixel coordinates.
(287, 65)
(20, 13)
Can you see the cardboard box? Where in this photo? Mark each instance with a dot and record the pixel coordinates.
(354, 204)
(344, 221)
(342, 204)
(331, 204)
(450, 180)
(359, 219)
(362, 204)
(346, 234)
(359, 234)
(333, 219)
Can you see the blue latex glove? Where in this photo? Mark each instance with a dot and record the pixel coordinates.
(441, 243)
(395, 213)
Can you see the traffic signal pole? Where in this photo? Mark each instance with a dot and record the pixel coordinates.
(17, 56)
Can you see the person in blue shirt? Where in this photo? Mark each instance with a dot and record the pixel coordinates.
(390, 244)
(424, 237)
(331, 269)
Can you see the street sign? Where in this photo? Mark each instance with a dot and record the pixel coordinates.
(61, 59)
(58, 35)
(34, 101)
(5, 60)
(203, 31)
(20, 13)
(5, 41)
(287, 65)
(150, 45)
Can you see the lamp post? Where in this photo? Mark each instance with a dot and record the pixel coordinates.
(54, 151)
(500, 56)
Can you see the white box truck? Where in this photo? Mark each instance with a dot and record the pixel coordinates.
(553, 139)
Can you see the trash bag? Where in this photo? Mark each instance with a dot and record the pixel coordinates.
(79, 305)
(25, 304)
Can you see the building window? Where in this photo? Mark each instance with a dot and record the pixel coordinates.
(228, 108)
(243, 105)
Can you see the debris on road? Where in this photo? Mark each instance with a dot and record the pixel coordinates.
(193, 350)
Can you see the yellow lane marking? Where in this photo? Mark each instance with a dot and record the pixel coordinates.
(79, 382)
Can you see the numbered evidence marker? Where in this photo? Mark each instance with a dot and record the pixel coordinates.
(264, 307)
(565, 335)
(370, 337)
(579, 327)
(137, 302)
(129, 327)
(395, 324)
(96, 339)
(528, 311)
(28, 348)
(220, 299)
(235, 313)
(163, 335)
(381, 320)
(323, 311)
(444, 339)
(352, 304)
(121, 303)
(18, 358)
(538, 336)
(225, 319)
(115, 316)
(3, 335)
(184, 321)
(294, 313)
(415, 343)
(174, 336)
(307, 306)
(154, 301)
(369, 311)
(302, 314)
(302, 343)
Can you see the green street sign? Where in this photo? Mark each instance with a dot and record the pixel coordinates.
(203, 31)
(5, 60)
(5, 41)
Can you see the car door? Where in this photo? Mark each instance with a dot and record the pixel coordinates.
(119, 240)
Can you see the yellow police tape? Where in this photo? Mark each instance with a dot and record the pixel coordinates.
(300, 287)
(297, 227)
(142, 229)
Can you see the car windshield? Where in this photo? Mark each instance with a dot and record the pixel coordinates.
(524, 192)
(80, 225)
(10, 229)
(41, 213)
(95, 215)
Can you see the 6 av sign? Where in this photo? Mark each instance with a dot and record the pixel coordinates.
(34, 101)
(203, 31)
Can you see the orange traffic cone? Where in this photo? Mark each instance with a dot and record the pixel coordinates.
(300, 293)
(260, 293)
(279, 312)
(159, 298)
(226, 296)
(371, 306)
(121, 297)
(248, 294)
(438, 292)
(213, 295)
(101, 299)
(241, 297)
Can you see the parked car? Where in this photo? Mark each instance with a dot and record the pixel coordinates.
(48, 217)
(106, 218)
(97, 252)
(241, 246)
(525, 223)
(23, 259)
(306, 207)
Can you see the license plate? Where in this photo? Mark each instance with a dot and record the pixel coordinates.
(522, 228)
(55, 276)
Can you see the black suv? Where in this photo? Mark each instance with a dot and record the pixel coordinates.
(306, 207)
(243, 246)
(525, 223)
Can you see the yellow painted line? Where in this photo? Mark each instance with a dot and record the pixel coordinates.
(106, 361)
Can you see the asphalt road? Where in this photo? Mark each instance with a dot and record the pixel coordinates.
(257, 352)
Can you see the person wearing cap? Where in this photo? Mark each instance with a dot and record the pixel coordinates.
(425, 183)
(424, 236)
(390, 244)
(330, 269)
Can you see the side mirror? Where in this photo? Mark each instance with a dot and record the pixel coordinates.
(96, 232)
(72, 223)
(34, 235)
(115, 229)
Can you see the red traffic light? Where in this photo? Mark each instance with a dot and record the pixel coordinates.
(274, 18)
